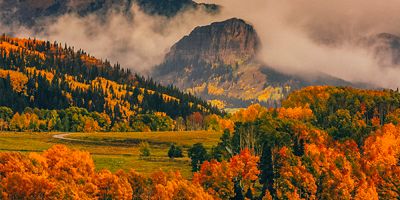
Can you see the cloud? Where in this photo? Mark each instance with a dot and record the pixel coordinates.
(306, 37)
(302, 37)
(137, 43)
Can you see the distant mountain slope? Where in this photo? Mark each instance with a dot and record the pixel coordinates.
(217, 62)
(385, 46)
(30, 12)
(46, 75)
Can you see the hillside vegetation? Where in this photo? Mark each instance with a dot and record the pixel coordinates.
(63, 82)
(325, 143)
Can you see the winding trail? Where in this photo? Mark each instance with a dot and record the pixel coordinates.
(64, 137)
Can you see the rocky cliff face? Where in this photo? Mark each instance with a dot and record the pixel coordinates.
(227, 43)
(217, 62)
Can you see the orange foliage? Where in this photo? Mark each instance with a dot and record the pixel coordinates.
(332, 165)
(8, 47)
(73, 84)
(366, 191)
(26, 121)
(180, 189)
(56, 174)
(18, 79)
(250, 114)
(90, 60)
(298, 98)
(61, 173)
(49, 75)
(298, 113)
(383, 147)
(111, 186)
(108, 85)
(244, 167)
(218, 178)
(227, 124)
(295, 181)
(90, 125)
(217, 123)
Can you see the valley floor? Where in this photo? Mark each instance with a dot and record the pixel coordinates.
(114, 150)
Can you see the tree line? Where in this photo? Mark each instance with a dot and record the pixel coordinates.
(282, 153)
(75, 119)
(45, 75)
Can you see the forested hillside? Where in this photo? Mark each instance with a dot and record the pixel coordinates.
(45, 75)
(326, 143)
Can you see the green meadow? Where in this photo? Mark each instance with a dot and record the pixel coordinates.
(115, 150)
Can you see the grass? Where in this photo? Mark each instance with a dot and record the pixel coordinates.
(117, 150)
(183, 138)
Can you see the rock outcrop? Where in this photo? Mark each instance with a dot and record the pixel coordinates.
(218, 63)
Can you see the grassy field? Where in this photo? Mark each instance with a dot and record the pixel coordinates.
(115, 151)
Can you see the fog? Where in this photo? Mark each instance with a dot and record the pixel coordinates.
(302, 37)
(138, 43)
(306, 37)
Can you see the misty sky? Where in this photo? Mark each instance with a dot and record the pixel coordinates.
(299, 37)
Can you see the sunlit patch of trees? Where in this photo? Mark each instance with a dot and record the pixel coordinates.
(75, 119)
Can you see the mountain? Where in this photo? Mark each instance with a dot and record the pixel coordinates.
(44, 75)
(385, 46)
(218, 62)
(32, 12)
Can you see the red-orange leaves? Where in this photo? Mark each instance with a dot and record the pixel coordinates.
(245, 168)
(295, 181)
(216, 178)
(219, 178)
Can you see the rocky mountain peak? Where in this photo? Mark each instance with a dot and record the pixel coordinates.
(217, 62)
(228, 42)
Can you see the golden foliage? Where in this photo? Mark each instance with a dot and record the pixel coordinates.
(73, 84)
(214, 90)
(8, 47)
(249, 114)
(383, 147)
(217, 103)
(18, 79)
(298, 113)
(49, 75)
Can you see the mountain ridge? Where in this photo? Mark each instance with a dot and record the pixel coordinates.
(218, 62)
